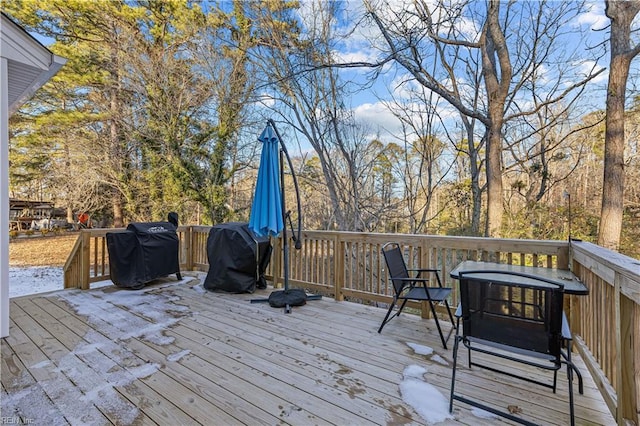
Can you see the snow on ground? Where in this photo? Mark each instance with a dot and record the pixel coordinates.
(425, 398)
(34, 279)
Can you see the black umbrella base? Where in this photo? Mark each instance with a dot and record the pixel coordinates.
(287, 298)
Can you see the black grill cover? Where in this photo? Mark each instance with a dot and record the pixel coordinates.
(144, 252)
(237, 259)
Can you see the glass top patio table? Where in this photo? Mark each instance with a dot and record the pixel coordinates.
(570, 282)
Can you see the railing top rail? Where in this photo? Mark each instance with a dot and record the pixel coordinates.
(459, 242)
(613, 267)
(432, 236)
(614, 260)
(101, 232)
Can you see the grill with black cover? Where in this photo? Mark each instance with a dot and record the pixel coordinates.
(237, 259)
(144, 252)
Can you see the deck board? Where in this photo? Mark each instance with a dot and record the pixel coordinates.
(175, 354)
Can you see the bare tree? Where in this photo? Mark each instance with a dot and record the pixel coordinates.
(420, 33)
(621, 14)
(421, 165)
(311, 97)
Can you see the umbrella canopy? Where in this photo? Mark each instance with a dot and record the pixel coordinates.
(266, 211)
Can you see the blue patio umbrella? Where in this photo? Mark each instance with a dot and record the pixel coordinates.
(266, 211)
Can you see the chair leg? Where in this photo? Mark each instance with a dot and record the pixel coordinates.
(453, 374)
(453, 323)
(580, 386)
(571, 410)
(570, 369)
(404, 302)
(575, 369)
(435, 317)
(386, 318)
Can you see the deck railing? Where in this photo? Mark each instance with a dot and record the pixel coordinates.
(607, 323)
(349, 266)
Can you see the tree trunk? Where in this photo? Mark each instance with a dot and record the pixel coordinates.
(494, 181)
(497, 78)
(118, 220)
(117, 201)
(117, 150)
(474, 168)
(613, 182)
(70, 217)
(621, 15)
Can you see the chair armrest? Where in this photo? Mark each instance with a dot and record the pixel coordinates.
(421, 270)
(458, 313)
(566, 331)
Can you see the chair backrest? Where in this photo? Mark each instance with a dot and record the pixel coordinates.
(514, 309)
(396, 266)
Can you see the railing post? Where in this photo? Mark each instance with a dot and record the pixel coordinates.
(627, 356)
(425, 309)
(338, 268)
(85, 259)
(563, 258)
(188, 248)
(573, 304)
(277, 263)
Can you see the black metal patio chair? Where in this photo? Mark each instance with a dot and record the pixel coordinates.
(415, 288)
(515, 317)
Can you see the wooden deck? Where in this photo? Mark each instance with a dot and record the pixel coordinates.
(175, 354)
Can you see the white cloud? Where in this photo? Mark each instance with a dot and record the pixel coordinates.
(265, 99)
(383, 124)
(587, 67)
(354, 56)
(386, 126)
(470, 29)
(594, 18)
(377, 114)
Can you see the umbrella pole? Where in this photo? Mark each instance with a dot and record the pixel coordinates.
(285, 242)
(286, 214)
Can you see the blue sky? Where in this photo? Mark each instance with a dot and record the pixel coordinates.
(369, 105)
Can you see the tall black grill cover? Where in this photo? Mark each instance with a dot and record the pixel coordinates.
(144, 252)
(237, 259)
